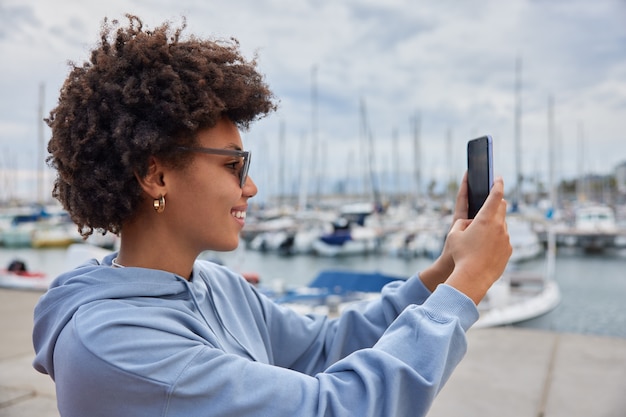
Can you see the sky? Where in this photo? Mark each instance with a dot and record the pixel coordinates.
(354, 76)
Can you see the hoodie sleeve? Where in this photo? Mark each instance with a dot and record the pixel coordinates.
(314, 342)
(133, 356)
(398, 376)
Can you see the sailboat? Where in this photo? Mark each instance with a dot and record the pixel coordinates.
(521, 295)
(517, 296)
(350, 235)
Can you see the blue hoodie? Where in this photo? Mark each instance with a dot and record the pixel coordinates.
(140, 342)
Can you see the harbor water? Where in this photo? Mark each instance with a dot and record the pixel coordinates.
(593, 286)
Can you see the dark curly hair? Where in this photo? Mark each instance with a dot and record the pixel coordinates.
(142, 93)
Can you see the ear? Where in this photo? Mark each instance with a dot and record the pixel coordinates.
(153, 182)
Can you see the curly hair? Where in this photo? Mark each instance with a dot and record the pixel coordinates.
(142, 93)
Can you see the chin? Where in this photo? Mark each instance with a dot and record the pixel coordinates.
(226, 246)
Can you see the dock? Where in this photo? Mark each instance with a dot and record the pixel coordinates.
(587, 240)
(507, 371)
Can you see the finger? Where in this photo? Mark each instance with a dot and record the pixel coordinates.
(502, 208)
(460, 208)
(495, 197)
(460, 224)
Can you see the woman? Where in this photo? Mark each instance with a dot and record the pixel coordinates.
(146, 143)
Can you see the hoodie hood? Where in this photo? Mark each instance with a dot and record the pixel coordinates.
(87, 283)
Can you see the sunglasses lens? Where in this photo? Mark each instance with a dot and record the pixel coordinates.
(244, 170)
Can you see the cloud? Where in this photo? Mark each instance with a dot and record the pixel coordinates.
(451, 62)
(13, 18)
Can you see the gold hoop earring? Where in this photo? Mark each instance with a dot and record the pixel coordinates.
(159, 204)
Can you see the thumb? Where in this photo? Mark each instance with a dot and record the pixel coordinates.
(492, 204)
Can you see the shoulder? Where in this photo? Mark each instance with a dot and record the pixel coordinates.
(136, 334)
(220, 276)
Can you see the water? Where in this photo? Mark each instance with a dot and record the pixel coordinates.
(593, 296)
(593, 287)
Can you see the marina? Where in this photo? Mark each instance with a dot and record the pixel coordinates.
(592, 285)
(507, 370)
(550, 328)
(530, 360)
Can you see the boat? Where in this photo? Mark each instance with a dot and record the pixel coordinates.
(44, 227)
(54, 234)
(268, 223)
(596, 218)
(350, 234)
(20, 223)
(335, 289)
(345, 240)
(514, 299)
(270, 241)
(525, 241)
(19, 234)
(289, 234)
(415, 243)
(417, 234)
(18, 277)
(520, 295)
(594, 229)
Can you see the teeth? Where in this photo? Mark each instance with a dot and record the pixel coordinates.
(239, 214)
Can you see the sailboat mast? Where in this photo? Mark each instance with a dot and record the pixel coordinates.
(448, 156)
(551, 250)
(551, 153)
(40, 156)
(281, 163)
(518, 133)
(417, 153)
(304, 180)
(314, 133)
(581, 191)
(367, 135)
(395, 162)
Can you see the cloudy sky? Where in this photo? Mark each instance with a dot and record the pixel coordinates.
(380, 64)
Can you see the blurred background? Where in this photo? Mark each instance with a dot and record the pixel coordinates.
(377, 103)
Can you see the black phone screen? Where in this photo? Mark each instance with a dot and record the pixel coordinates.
(479, 173)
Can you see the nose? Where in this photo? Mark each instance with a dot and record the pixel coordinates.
(249, 188)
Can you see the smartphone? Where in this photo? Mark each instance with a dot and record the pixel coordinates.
(479, 173)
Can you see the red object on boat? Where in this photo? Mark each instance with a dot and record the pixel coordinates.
(252, 277)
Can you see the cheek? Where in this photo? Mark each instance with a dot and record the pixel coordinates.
(205, 188)
(211, 196)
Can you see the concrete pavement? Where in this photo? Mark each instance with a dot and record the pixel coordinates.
(516, 372)
(24, 392)
(508, 372)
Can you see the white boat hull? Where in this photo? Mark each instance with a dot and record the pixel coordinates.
(523, 309)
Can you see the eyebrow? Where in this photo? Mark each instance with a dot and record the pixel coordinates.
(233, 146)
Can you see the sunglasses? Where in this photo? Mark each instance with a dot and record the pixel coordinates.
(244, 155)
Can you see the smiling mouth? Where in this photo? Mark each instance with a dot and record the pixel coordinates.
(238, 214)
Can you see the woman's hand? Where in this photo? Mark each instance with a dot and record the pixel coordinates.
(480, 248)
(443, 266)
